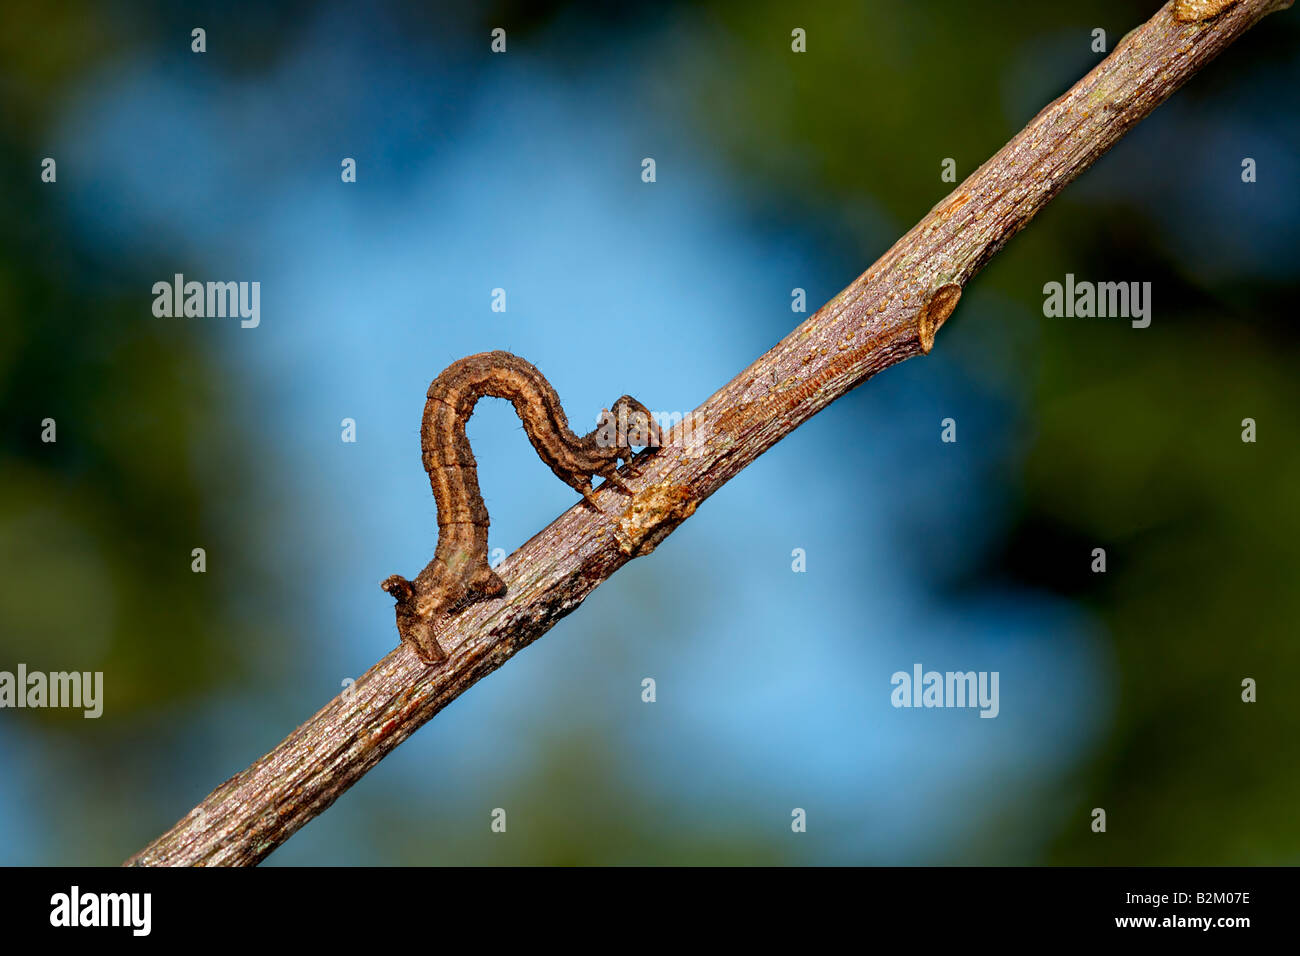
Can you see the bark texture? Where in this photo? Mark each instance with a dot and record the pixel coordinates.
(890, 313)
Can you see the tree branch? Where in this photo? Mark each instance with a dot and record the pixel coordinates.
(888, 314)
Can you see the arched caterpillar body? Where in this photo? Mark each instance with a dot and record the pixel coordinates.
(459, 573)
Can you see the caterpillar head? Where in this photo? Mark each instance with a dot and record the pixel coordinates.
(626, 424)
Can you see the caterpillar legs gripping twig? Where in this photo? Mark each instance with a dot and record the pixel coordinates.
(459, 574)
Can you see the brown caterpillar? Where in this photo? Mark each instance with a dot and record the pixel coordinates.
(459, 574)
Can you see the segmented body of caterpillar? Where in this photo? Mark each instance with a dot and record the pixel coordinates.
(459, 573)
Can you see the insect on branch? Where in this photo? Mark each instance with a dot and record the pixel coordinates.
(891, 312)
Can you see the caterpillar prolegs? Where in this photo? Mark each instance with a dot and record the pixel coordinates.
(459, 574)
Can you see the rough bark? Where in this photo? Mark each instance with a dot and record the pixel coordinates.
(888, 314)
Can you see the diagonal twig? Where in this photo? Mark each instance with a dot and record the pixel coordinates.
(888, 314)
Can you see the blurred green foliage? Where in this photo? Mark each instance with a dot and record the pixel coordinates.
(98, 526)
(1132, 438)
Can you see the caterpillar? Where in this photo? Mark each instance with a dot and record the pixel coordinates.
(459, 574)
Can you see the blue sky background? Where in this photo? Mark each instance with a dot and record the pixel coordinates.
(773, 686)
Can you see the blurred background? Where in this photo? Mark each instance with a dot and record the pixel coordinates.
(774, 171)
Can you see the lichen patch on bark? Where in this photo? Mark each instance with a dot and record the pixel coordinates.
(651, 517)
(1193, 11)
